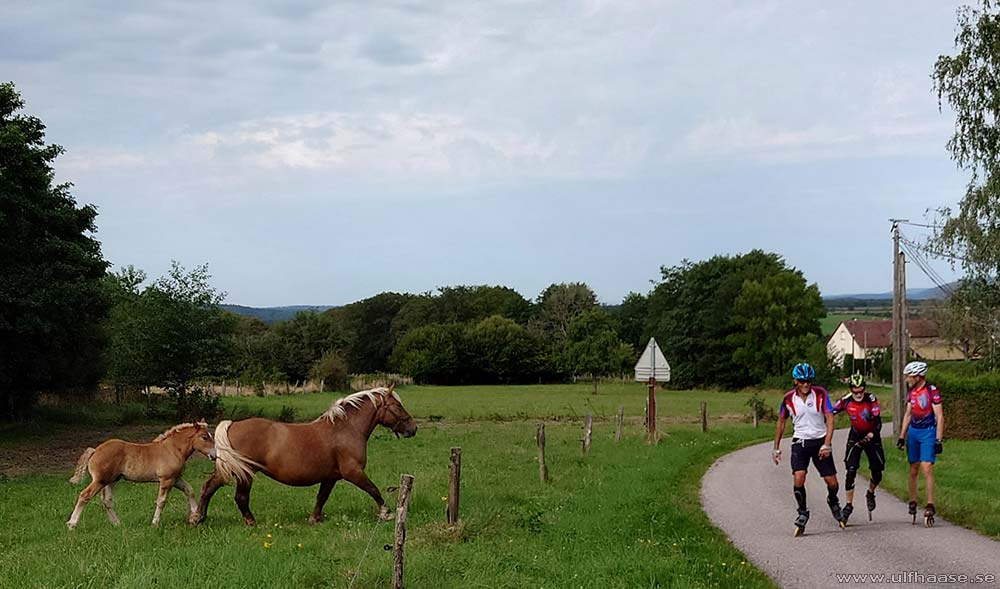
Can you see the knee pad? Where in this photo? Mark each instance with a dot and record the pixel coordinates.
(849, 480)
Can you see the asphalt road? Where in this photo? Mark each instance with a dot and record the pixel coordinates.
(750, 499)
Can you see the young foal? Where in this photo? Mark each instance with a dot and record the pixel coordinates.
(332, 447)
(161, 460)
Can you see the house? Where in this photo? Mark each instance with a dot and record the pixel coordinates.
(868, 337)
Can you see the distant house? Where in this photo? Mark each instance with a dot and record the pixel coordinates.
(864, 338)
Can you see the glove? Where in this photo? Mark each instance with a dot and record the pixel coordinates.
(938, 448)
(900, 443)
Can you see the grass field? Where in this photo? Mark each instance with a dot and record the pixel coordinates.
(965, 483)
(627, 515)
(832, 320)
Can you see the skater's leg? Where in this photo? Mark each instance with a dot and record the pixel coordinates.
(928, 468)
(914, 469)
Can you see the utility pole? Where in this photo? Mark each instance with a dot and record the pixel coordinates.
(899, 347)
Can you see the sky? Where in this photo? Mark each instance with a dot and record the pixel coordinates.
(322, 152)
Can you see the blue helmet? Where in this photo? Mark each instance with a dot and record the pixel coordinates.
(803, 371)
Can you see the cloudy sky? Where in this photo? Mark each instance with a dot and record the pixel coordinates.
(322, 152)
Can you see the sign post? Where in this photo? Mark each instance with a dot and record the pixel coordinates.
(651, 368)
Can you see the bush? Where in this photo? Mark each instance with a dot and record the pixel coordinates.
(194, 403)
(971, 411)
(332, 369)
(759, 406)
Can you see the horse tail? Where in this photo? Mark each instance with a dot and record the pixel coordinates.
(230, 463)
(81, 466)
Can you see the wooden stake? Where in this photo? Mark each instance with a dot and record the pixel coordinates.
(454, 486)
(322, 385)
(405, 484)
(543, 471)
(704, 416)
(755, 418)
(618, 424)
(651, 410)
(587, 429)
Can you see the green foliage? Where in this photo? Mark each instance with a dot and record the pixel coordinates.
(433, 353)
(169, 333)
(632, 318)
(194, 403)
(761, 408)
(970, 407)
(560, 303)
(331, 369)
(51, 268)
(777, 321)
(594, 347)
(708, 316)
(502, 351)
(969, 83)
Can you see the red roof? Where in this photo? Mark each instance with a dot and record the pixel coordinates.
(877, 333)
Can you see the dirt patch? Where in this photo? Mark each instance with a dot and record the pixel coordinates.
(58, 452)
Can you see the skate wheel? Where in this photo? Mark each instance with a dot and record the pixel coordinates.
(928, 522)
(843, 524)
(798, 531)
(869, 516)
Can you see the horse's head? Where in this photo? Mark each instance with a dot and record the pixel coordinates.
(392, 415)
(202, 440)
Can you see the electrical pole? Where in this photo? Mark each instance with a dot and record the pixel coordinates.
(899, 347)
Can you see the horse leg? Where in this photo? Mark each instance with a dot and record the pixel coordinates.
(85, 495)
(183, 486)
(361, 480)
(243, 501)
(161, 499)
(211, 486)
(324, 493)
(107, 500)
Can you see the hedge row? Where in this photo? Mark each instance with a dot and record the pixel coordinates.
(971, 405)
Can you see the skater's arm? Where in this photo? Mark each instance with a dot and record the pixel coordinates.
(828, 442)
(779, 431)
(906, 422)
(939, 414)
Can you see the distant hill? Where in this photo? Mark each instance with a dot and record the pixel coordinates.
(913, 294)
(274, 314)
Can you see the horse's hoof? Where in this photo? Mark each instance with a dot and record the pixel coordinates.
(315, 520)
(250, 522)
(386, 517)
(71, 526)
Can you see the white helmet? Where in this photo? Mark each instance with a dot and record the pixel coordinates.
(915, 369)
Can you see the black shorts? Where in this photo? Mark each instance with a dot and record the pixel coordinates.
(872, 449)
(805, 450)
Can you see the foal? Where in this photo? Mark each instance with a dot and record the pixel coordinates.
(161, 460)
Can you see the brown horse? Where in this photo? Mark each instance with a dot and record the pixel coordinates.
(332, 447)
(161, 460)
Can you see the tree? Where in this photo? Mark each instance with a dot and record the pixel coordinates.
(52, 295)
(632, 319)
(433, 354)
(502, 351)
(691, 315)
(370, 322)
(170, 333)
(969, 82)
(778, 321)
(594, 347)
(559, 304)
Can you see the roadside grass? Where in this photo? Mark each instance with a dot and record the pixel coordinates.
(965, 478)
(627, 515)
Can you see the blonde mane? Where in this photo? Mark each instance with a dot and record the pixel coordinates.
(178, 428)
(338, 410)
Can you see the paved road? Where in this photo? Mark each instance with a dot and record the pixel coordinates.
(750, 499)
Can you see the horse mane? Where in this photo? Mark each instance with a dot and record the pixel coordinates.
(338, 410)
(176, 429)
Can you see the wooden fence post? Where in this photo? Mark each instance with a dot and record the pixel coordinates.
(756, 418)
(405, 484)
(322, 385)
(704, 416)
(543, 471)
(588, 424)
(618, 424)
(454, 486)
(651, 410)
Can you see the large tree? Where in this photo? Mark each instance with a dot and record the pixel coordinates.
(969, 82)
(594, 347)
(693, 315)
(52, 296)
